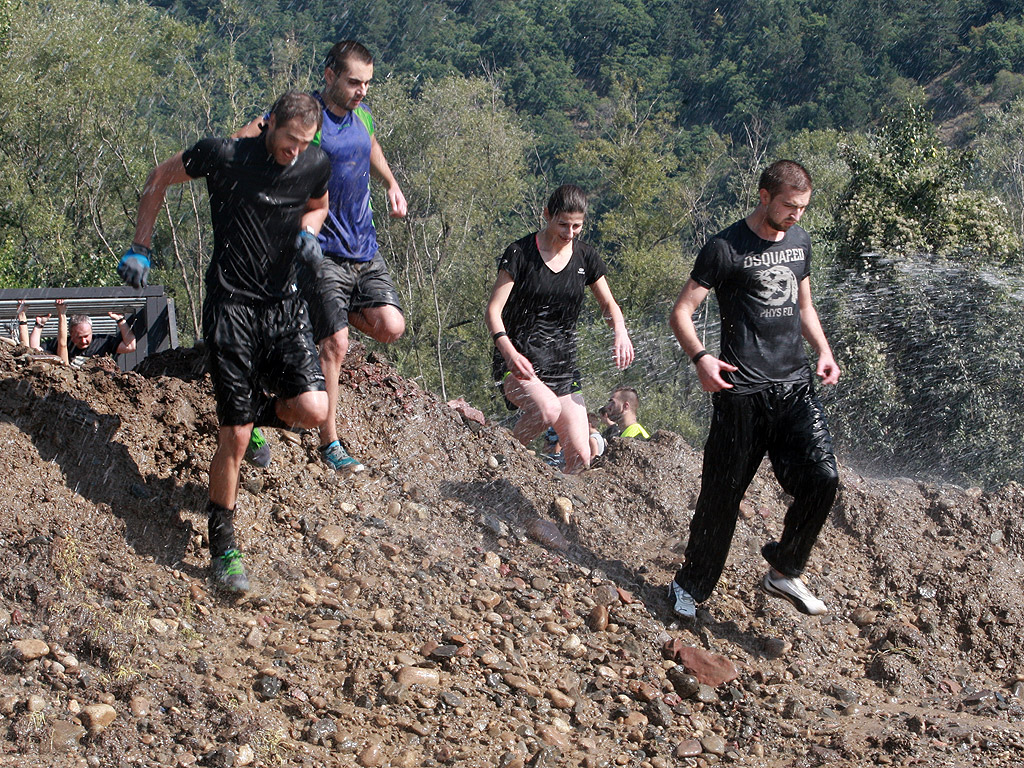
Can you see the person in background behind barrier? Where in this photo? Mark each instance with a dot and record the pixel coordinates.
(621, 408)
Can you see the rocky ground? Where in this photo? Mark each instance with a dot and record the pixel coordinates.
(462, 604)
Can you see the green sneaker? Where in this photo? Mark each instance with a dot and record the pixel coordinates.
(338, 458)
(229, 573)
(258, 452)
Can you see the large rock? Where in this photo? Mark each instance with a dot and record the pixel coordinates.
(711, 669)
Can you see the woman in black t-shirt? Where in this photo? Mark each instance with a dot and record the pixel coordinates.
(532, 315)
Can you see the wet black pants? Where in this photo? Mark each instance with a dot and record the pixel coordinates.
(788, 423)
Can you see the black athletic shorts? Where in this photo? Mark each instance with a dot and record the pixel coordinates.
(340, 286)
(257, 347)
(562, 382)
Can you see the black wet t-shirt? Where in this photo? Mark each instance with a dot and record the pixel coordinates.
(756, 282)
(543, 307)
(101, 344)
(256, 205)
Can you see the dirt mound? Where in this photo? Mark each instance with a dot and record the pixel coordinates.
(462, 604)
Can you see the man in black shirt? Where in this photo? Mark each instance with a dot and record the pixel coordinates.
(268, 199)
(764, 400)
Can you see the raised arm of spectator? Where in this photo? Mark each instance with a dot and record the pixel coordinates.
(35, 340)
(62, 331)
(127, 343)
(22, 325)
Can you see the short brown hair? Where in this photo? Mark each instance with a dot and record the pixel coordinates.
(784, 173)
(630, 396)
(297, 105)
(342, 52)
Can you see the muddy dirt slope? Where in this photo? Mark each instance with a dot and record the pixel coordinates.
(460, 604)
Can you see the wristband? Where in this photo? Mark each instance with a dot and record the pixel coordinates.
(497, 336)
(696, 358)
(142, 250)
(23, 322)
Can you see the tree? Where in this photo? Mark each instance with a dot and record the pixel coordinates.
(908, 194)
(460, 158)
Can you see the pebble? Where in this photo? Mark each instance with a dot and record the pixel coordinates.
(688, 748)
(140, 706)
(685, 684)
(407, 676)
(605, 594)
(546, 533)
(35, 703)
(598, 618)
(558, 699)
(331, 537)
(64, 737)
(561, 509)
(713, 744)
(30, 649)
(255, 638)
(372, 755)
(96, 717)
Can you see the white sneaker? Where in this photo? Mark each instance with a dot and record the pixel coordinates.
(681, 601)
(795, 591)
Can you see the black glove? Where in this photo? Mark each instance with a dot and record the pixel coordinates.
(307, 249)
(134, 267)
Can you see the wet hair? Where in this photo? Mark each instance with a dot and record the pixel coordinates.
(298, 105)
(76, 320)
(784, 173)
(568, 198)
(341, 53)
(629, 395)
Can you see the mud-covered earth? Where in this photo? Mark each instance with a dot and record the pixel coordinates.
(461, 604)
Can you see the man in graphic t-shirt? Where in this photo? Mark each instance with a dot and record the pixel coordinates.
(352, 285)
(764, 399)
(268, 200)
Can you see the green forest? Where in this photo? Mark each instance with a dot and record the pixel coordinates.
(909, 115)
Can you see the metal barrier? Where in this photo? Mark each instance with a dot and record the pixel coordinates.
(149, 311)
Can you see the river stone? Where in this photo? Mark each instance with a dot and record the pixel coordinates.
(688, 748)
(30, 649)
(713, 744)
(64, 737)
(96, 717)
(330, 537)
(546, 533)
(407, 676)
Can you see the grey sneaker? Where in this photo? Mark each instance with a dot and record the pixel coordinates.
(795, 591)
(228, 572)
(335, 455)
(681, 602)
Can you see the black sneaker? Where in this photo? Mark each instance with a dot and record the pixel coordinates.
(228, 572)
(258, 452)
(795, 591)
